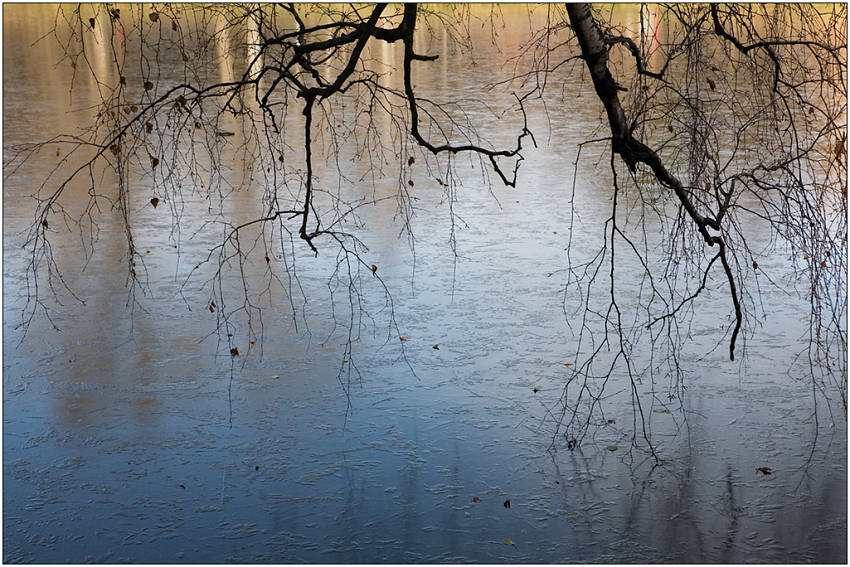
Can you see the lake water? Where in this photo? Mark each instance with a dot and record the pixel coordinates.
(128, 437)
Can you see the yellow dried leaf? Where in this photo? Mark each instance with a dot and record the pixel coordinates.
(509, 541)
(402, 338)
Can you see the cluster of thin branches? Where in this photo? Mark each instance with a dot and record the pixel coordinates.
(730, 122)
(272, 89)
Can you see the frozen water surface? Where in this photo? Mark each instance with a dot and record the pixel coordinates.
(129, 440)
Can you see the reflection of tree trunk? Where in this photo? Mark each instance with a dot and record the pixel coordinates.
(594, 50)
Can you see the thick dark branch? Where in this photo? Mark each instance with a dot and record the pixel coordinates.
(633, 49)
(363, 36)
(768, 45)
(633, 151)
(308, 184)
(408, 26)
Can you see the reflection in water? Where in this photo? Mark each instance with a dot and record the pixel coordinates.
(118, 442)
